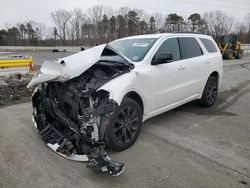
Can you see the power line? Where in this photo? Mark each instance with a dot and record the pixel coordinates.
(175, 1)
(238, 1)
(142, 6)
(209, 4)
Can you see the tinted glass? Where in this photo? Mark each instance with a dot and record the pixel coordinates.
(189, 47)
(171, 46)
(134, 49)
(209, 45)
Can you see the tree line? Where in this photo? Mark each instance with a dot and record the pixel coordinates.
(101, 24)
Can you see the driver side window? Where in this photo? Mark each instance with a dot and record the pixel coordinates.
(170, 46)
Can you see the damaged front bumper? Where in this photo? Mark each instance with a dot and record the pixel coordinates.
(79, 135)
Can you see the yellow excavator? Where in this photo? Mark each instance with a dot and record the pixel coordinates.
(230, 48)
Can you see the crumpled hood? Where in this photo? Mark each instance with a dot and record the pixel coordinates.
(69, 67)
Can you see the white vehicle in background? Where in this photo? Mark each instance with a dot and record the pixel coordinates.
(101, 96)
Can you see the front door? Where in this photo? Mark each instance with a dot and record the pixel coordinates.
(166, 79)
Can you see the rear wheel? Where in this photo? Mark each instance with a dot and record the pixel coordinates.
(125, 126)
(210, 92)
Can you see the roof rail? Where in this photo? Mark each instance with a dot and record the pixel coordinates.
(189, 32)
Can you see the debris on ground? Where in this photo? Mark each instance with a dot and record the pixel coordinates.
(13, 89)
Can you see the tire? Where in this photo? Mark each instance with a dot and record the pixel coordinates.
(125, 126)
(210, 92)
(228, 54)
(238, 55)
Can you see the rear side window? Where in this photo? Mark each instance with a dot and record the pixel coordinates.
(171, 46)
(189, 47)
(209, 45)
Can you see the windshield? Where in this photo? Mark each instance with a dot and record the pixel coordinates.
(134, 49)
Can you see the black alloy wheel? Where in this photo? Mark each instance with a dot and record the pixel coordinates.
(210, 92)
(125, 126)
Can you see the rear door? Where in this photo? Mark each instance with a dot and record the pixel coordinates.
(194, 66)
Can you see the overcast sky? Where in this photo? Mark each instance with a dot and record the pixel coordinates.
(14, 11)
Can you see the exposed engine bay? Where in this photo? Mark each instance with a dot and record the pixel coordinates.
(71, 116)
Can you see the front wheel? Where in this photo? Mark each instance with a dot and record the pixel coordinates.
(125, 126)
(228, 54)
(238, 54)
(210, 92)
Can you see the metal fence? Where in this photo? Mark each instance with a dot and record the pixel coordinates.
(246, 48)
(34, 48)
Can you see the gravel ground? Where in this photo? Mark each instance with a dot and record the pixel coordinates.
(13, 89)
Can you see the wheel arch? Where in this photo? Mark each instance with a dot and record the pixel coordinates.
(136, 97)
(216, 74)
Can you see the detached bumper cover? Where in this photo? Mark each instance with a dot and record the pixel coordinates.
(65, 137)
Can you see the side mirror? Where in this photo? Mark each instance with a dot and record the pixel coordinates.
(161, 58)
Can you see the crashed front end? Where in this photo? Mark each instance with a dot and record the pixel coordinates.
(72, 115)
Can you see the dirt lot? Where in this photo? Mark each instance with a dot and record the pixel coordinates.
(186, 147)
(13, 89)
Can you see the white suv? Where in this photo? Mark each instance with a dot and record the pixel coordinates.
(101, 96)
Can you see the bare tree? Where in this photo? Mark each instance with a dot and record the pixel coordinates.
(218, 23)
(96, 13)
(141, 14)
(159, 20)
(247, 22)
(242, 29)
(39, 27)
(75, 23)
(77, 19)
(123, 11)
(61, 19)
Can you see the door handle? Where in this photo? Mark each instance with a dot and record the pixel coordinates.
(181, 67)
